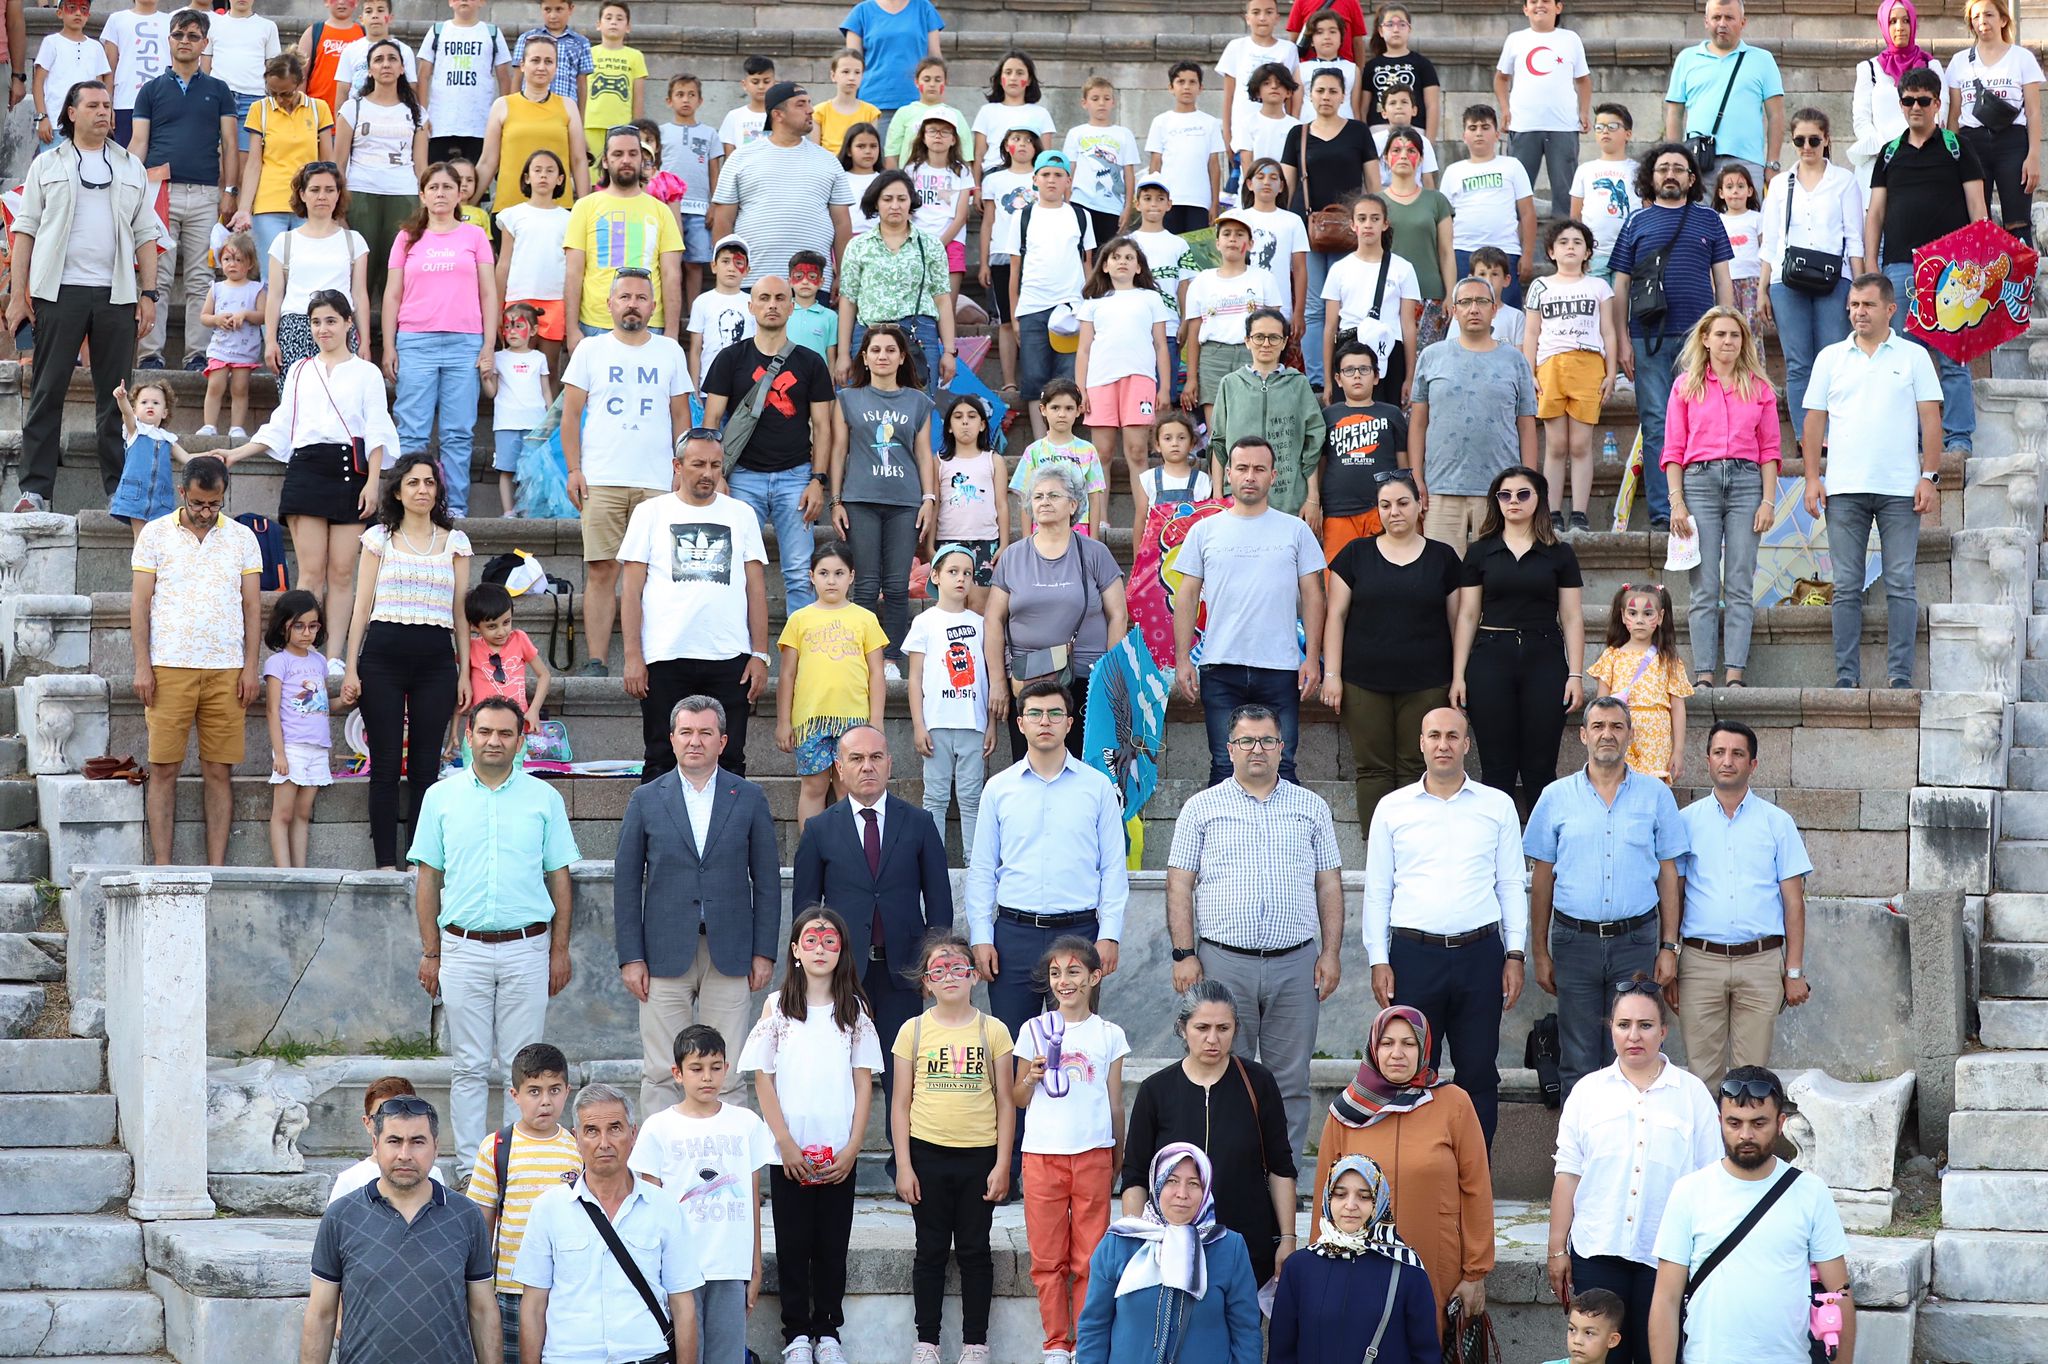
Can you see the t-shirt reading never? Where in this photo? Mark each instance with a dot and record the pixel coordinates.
(1070, 1104)
(627, 428)
(782, 438)
(1251, 567)
(953, 687)
(952, 1095)
(695, 603)
(707, 1165)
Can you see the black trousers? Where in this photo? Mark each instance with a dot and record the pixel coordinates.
(1458, 991)
(813, 1226)
(78, 316)
(2003, 154)
(1186, 218)
(1107, 225)
(883, 539)
(408, 676)
(1514, 693)
(672, 679)
(1079, 688)
(1635, 1285)
(952, 1216)
(893, 1001)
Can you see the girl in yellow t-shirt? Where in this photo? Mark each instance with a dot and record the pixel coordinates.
(1642, 666)
(831, 677)
(952, 1140)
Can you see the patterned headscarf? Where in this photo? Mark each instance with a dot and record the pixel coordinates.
(1371, 1096)
(1171, 1256)
(1377, 1236)
(1897, 61)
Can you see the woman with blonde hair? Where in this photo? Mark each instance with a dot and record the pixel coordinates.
(1721, 458)
(1994, 104)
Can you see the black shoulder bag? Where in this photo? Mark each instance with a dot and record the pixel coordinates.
(1705, 147)
(1992, 113)
(1721, 1252)
(633, 1275)
(745, 415)
(1646, 301)
(1807, 270)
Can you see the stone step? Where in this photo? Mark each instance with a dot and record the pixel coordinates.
(2005, 1081)
(1979, 1332)
(31, 956)
(28, 1120)
(21, 909)
(83, 1322)
(2023, 811)
(67, 1065)
(13, 755)
(2033, 679)
(2010, 916)
(1985, 1140)
(19, 1006)
(2015, 970)
(2030, 718)
(70, 1252)
(2037, 635)
(2020, 864)
(1995, 1200)
(2013, 1023)
(2026, 769)
(46, 1180)
(1991, 1266)
(24, 855)
(17, 803)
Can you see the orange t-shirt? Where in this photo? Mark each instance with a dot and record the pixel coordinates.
(331, 39)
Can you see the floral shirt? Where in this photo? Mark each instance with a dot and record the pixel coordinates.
(887, 285)
(195, 611)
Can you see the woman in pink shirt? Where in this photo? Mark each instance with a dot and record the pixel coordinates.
(1721, 455)
(440, 315)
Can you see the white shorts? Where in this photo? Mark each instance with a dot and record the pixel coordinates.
(308, 764)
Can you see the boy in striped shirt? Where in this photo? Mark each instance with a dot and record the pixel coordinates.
(539, 1155)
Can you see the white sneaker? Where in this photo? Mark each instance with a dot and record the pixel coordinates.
(890, 672)
(1058, 1357)
(237, 433)
(927, 1353)
(828, 1351)
(974, 1354)
(798, 1351)
(206, 430)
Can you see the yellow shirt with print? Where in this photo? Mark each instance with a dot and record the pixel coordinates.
(832, 645)
(953, 1098)
(537, 1164)
(612, 73)
(616, 233)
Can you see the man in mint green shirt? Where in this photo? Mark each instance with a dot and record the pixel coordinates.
(493, 848)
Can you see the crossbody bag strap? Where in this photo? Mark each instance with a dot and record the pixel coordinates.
(1747, 1225)
(1258, 1119)
(1733, 75)
(631, 1268)
(1379, 288)
(1372, 1349)
(1308, 204)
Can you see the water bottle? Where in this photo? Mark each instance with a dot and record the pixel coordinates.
(1610, 453)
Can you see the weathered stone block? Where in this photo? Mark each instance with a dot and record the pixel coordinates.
(1975, 648)
(70, 1252)
(2016, 1140)
(91, 824)
(2013, 1023)
(1856, 863)
(22, 957)
(1991, 1266)
(1888, 1271)
(1884, 811)
(240, 1257)
(210, 1330)
(1951, 839)
(19, 1005)
(45, 633)
(98, 1322)
(1979, 1332)
(1995, 1200)
(1847, 1132)
(56, 1180)
(52, 1065)
(2011, 1081)
(1940, 1004)
(254, 1114)
(56, 1120)
(288, 1195)
(64, 718)
(1852, 759)
(1994, 567)
(38, 554)
(1963, 738)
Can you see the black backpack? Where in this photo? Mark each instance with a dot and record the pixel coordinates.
(561, 594)
(276, 569)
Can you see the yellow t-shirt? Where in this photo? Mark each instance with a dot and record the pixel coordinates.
(476, 217)
(832, 124)
(616, 233)
(953, 1097)
(290, 140)
(612, 73)
(536, 1165)
(832, 646)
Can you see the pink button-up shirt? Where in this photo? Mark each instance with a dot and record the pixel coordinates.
(1721, 424)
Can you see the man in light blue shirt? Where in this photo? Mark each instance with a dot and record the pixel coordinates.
(1605, 842)
(493, 849)
(1752, 127)
(1744, 926)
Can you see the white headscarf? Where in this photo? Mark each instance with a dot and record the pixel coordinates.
(1171, 1256)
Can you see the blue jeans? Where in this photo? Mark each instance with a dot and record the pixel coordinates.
(243, 104)
(437, 378)
(1512, 295)
(1558, 150)
(925, 331)
(1312, 312)
(267, 228)
(1038, 364)
(1653, 395)
(775, 498)
(1588, 969)
(1850, 516)
(1723, 495)
(1958, 399)
(1226, 686)
(1806, 323)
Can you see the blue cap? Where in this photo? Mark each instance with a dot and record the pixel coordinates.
(1057, 160)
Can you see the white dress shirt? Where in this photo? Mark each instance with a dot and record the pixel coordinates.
(1828, 217)
(595, 1315)
(1628, 1146)
(860, 818)
(697, 805)
(1444, 866)
(349, 403)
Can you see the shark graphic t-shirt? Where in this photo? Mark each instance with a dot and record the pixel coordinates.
(708, 1165)
(1609, 191)
(882, 427)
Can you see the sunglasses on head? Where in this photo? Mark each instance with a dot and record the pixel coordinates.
(1750, 1091)
(710, 433)
(404, 1106)
(1637, 987)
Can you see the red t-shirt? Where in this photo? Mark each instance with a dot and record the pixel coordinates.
(506, 676)
(1355, 26)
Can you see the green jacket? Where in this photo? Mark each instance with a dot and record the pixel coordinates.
(1283, 408)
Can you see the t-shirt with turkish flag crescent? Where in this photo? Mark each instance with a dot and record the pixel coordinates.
(1543, 69)
(782, 438)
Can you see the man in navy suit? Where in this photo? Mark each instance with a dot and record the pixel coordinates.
(880, 862)
(696, 898)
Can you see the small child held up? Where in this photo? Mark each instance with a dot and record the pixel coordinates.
(501, 655)
(520, 393)
(234, 309)
(295, 705)
(1736, 200)
(149, 479)
(949, 718)
(952, 1118)
(539, 1151)
(1641, 666)
(827, 687)
(704, 1152)
(970, 478)
(1593, 1326)
(814, 1054)
(1070, 1081)
(1122, 364)
(1571, 340)
(1178, 478)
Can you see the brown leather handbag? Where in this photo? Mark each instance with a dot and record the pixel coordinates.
(1329, 229)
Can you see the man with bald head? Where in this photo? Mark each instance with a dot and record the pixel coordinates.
(781, 469)
(1446, 916)
(881, 863)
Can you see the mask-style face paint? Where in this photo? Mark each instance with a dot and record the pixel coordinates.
(818, 940)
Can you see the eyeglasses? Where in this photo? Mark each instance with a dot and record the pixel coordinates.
(1514, 495)
(197, 506)
(404, 1106)
(1259, 743)
(1607, 126)
(1473, 301)
(1265, 338)
(1035, 714)
(958, 970)
(1752, 1091)
(1808, 140)
(1357, 372)
(1915, 101)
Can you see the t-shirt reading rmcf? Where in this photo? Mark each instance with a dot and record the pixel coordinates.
(952, 1091)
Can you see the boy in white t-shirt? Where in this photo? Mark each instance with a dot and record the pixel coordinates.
(949, 696)
(1242, 56)
(1187, 148)
(238, 44)
(465, 65)
(1105, 159)
(354, 62)
(138, 43)
(1544, 84)
(65, 58)
(705, 1152)
(1047, 271)
(1492, 201)
(1604, 191)
(742, 125)
(719, 316)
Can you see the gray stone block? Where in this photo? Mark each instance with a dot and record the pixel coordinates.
(233, 1257)
(1991, 1266)
(1940, 1014)
(2027, 769)
(1980, 1332)
(2023, 814)
(1995, 1200)
(1975, 648)
(23, 958)
(2003, 1082)
(45, 633)
(2016, 969)
(21, 909)
(1885, 1337)
(91, 824)
(56, 1120)
(57, 1180)
(71, 1252)
(87, 1322)
(2015, 916)
(1888, 1271)
(24, 856)
(2015, 1140)
(19, 1005)
(2013, 1023)
(17, 804)
(68, 1065)
(299, 1195)
(1963, 738)
(65, 720)
(2020, 864)
(208, 1330)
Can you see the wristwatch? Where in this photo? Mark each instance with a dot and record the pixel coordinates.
(1667, 947)
(1795, 973)
(1933, 476)
(820, 476)
(1517, 955)
(758, 654)
(153, 295)
(1183, 953)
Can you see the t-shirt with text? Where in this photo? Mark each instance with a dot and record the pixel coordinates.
(832, 645)
(1362, 446)
(952, 1078)
(695, 602)
(628, 430)
(707, 1165)
(953, 685)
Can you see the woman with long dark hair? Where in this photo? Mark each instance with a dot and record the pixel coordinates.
(380, 141)
(1339, 161)
(323, 254)
(897, 273)
(408, 641)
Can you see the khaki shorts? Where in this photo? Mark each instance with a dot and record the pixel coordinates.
(1568, 385)
(1453, 519)
(605, 514)
(204, 695)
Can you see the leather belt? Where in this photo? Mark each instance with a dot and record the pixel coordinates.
(1029, 920)
(1260, 951)
(1736, 949)
(1604, 928)
(533, 930)
(1480, 934)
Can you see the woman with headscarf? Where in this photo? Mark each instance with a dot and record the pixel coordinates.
(1877, 116)
(1358, 1279)
(1425, 1135)
(1171, 1285)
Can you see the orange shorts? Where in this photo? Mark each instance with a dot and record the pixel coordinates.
(1339, 531)
(554, 316)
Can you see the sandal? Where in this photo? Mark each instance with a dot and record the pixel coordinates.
(1704, 681)
(1735, 682)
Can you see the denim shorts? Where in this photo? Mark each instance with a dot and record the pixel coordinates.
(506, 458)
(696, 239)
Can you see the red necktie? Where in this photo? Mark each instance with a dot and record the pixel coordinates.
(871, 844)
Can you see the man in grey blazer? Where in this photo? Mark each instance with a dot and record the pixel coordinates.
(696, 898)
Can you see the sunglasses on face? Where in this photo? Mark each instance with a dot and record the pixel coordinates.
(1808, 140)
(1515, 494)
(1915, 101)
(945, 971)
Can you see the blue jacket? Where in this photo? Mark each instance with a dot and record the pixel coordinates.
(1222, 1327)
(914, 892)
(1325, 1310)
(664, 885)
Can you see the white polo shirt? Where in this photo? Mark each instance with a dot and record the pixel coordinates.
(1628, 1147)
(1873, 417)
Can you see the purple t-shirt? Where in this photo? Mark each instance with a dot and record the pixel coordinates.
(302, 703)
(441, 292)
